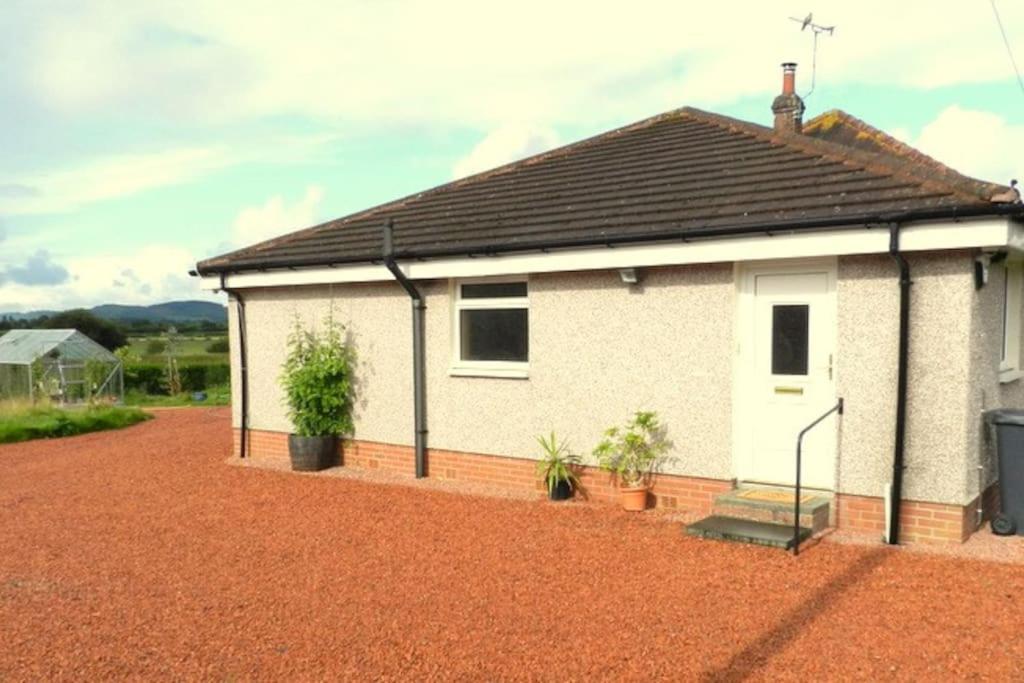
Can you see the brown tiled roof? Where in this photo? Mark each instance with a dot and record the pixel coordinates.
(845, 129)
(683, 173)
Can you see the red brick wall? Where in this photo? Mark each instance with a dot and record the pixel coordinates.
(669, 491)
(920, 522)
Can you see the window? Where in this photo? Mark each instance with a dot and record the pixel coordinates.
(491, 329)
(789, 339)
(1009, 364)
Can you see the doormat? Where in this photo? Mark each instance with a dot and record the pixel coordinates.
(769, 496)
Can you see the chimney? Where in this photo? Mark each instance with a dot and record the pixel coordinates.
(788, 107)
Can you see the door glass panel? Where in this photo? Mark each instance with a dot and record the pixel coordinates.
(789, 339)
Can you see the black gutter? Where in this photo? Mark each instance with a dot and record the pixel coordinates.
(418, 379)
(901, 384)
(243, 366)
(782, 227)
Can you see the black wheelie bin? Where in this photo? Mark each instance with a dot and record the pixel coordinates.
(1009, 429)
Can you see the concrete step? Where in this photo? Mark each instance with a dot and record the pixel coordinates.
(773, 506)
(746, 531)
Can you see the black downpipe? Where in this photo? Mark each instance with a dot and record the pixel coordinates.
(901, 384)
(243, 356)
(418, 379)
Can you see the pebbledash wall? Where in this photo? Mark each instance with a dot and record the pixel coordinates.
(600, 350)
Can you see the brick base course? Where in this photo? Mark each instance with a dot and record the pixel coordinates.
(692, 494)
(920, 522)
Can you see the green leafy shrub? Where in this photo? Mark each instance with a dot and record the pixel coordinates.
(155, 347)
(633, 452)
(150, 378)
(218, 346)
(197, 377)
(557, 463)
(318, 380)
(145, 377)
(127, 356)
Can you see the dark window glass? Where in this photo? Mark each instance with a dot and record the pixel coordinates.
(494, 290)
(789, 339)
(494, 334)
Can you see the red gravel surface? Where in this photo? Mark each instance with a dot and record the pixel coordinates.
(142, 554)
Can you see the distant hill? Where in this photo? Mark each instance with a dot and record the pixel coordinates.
(171, 311)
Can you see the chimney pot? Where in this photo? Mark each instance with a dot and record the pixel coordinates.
(788, 108)
(788, 78)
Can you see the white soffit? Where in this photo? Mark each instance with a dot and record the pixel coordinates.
(987, 233)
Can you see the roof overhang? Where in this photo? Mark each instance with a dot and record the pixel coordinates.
(990, 233)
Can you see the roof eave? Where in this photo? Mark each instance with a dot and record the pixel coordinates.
(208, 268)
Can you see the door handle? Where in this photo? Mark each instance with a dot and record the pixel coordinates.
(830, 366)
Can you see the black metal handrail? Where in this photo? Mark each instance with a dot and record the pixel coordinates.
(837, 408)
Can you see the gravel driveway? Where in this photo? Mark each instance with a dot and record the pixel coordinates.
(143, 554)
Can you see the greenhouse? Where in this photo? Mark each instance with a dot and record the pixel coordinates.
(63, 366)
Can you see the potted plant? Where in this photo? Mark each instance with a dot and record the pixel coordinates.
(557, 467)
(632, 453)
(317, 378)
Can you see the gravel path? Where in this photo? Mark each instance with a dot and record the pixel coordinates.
(142, 554)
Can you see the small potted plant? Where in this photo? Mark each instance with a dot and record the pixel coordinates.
(557, 468)
(317, 378)
(632, 453)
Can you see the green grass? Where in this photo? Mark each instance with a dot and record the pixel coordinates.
(21, 422)
(215, 396)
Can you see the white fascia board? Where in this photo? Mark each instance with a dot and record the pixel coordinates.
(1015, 241)
(985, 233)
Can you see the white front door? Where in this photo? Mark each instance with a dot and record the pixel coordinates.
(787, 360)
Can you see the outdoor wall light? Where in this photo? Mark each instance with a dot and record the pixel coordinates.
(630, 276)
(981, 266)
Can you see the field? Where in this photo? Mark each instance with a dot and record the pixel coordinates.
(187, 349)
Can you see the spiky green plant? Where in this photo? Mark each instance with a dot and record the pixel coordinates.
(557, 463)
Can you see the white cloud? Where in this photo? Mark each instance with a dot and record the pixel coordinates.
(507, 143)
(118, 175)
(466, 62)
(157, 273)
(122, 175)
(276, 217)
(977, 143)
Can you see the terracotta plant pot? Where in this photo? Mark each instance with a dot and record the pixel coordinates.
(633, 499)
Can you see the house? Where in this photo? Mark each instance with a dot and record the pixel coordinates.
(735, 278)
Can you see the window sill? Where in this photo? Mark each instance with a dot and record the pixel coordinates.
(1007, 376)
(499, 373)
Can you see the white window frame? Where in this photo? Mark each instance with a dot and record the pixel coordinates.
(478, 368)
(1013, 284)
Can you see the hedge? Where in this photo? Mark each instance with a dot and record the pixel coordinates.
(149, 378)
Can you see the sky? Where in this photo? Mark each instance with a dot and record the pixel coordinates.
(138, 138)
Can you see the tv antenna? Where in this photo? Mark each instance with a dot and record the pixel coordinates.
(817, 29)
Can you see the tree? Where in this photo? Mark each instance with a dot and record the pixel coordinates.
(101, 331)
